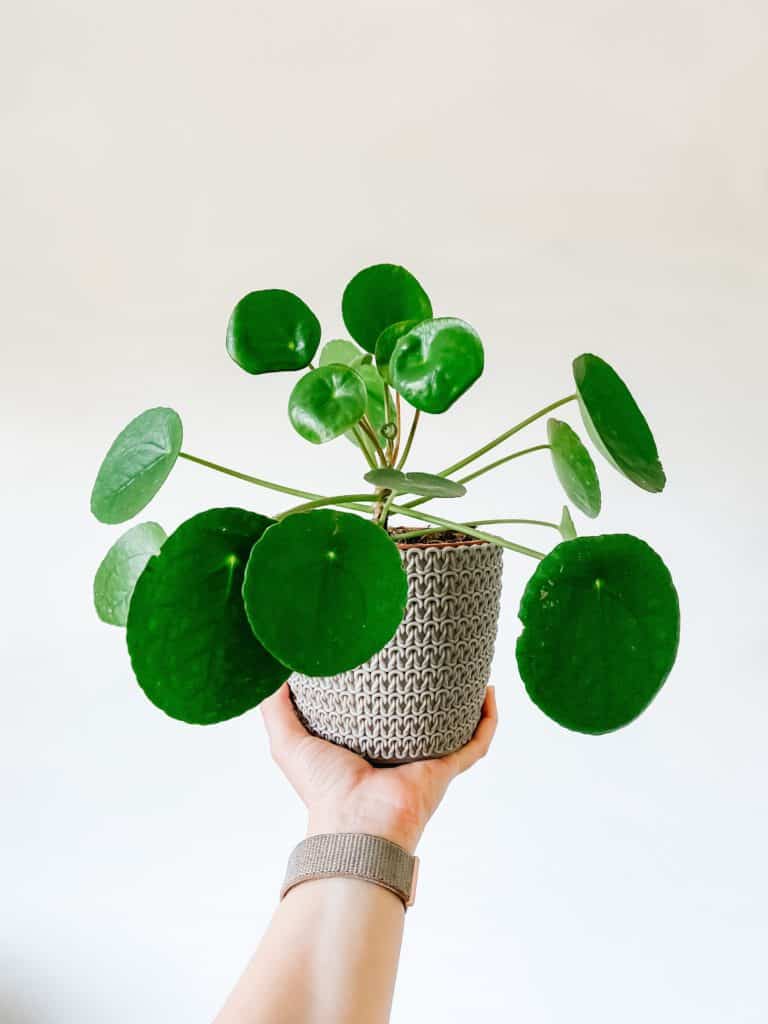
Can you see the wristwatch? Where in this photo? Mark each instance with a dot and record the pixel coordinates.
(354, 855)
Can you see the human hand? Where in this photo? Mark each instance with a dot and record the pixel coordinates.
(344, 793)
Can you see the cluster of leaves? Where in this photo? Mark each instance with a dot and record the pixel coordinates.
(221, 612)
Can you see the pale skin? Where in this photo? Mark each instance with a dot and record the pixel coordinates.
(331, 950)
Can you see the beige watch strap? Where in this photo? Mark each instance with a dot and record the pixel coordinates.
(354, 855)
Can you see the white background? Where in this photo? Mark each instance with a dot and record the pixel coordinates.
(568, 177)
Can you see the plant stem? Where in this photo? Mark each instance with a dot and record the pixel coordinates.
(269, 484)
(384, 514)
(500, 462)
(409, 441)
(503, 437)
(478, 522)
(372, 464)
(365, 425)
(399, 421)
(334, 499)
(415, 502)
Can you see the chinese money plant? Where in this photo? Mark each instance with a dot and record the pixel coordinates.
(220, 612)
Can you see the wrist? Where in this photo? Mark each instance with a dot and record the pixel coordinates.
(396, 828)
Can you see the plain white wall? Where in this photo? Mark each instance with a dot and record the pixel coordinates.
(567, 177)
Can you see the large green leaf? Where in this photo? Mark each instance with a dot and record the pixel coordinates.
(574, 467)
(615, 423)
(324, 591)
(272, 330)
(192, 649)
(326, 402)
(601, 624)
(380, 296)
(427, 484)
(385, 345)
(122, 565)
(435, 362)
(137, 465)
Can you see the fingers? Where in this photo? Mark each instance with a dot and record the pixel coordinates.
(281, 720)
(478, 746)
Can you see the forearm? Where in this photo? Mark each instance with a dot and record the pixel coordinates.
(330, 954)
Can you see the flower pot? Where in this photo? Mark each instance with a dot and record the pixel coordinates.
(421, 695)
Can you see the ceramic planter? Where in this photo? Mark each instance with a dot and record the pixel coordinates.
(422, 694)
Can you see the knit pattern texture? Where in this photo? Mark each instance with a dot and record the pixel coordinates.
(421, 695)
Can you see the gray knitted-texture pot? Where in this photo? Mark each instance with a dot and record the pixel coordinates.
(421, 695)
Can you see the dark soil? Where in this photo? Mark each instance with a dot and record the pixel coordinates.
(444, 537)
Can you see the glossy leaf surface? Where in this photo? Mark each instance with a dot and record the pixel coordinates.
(601, 624)
(272, 330)
(116, 577)
(324, 591)
(574, 467)
(192, 649)
(380, 296)
(615, 423)
(326, 402)
(137, 465)
(427, 484)
(385, 345)
(435, 362)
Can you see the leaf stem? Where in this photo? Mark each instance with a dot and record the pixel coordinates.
(415, 502)
(409, 441)
(470, 530)
(363, 448)
(500, 462)
(479, 522)
(318, 502)
(503, 437)
(399, 421)
(366, 427)
(269, 484)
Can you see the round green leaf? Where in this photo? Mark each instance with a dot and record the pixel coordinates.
(122, 565)
(339, 350)
(615, 423)
(272, 330)
(435, 362)
(385, 345)
(192, 649)
(379, 296)
(324, 591)
(574, 467)
(601, 624)
(137, 465)
(326, 402)
(427, 484)
(567, 529)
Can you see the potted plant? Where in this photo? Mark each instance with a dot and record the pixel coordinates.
(385, 631)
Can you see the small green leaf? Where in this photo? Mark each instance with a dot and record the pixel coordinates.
(137, 465)
(567, 529)
(339, 350)
(435, 362)
(272, 330)
(324, 591)
(380, 296)
(601, 624)
(122, 565)
(385, 345)
(427, 484)
(192, 649)
(574, 467)
(326, 402)
(615, 423)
